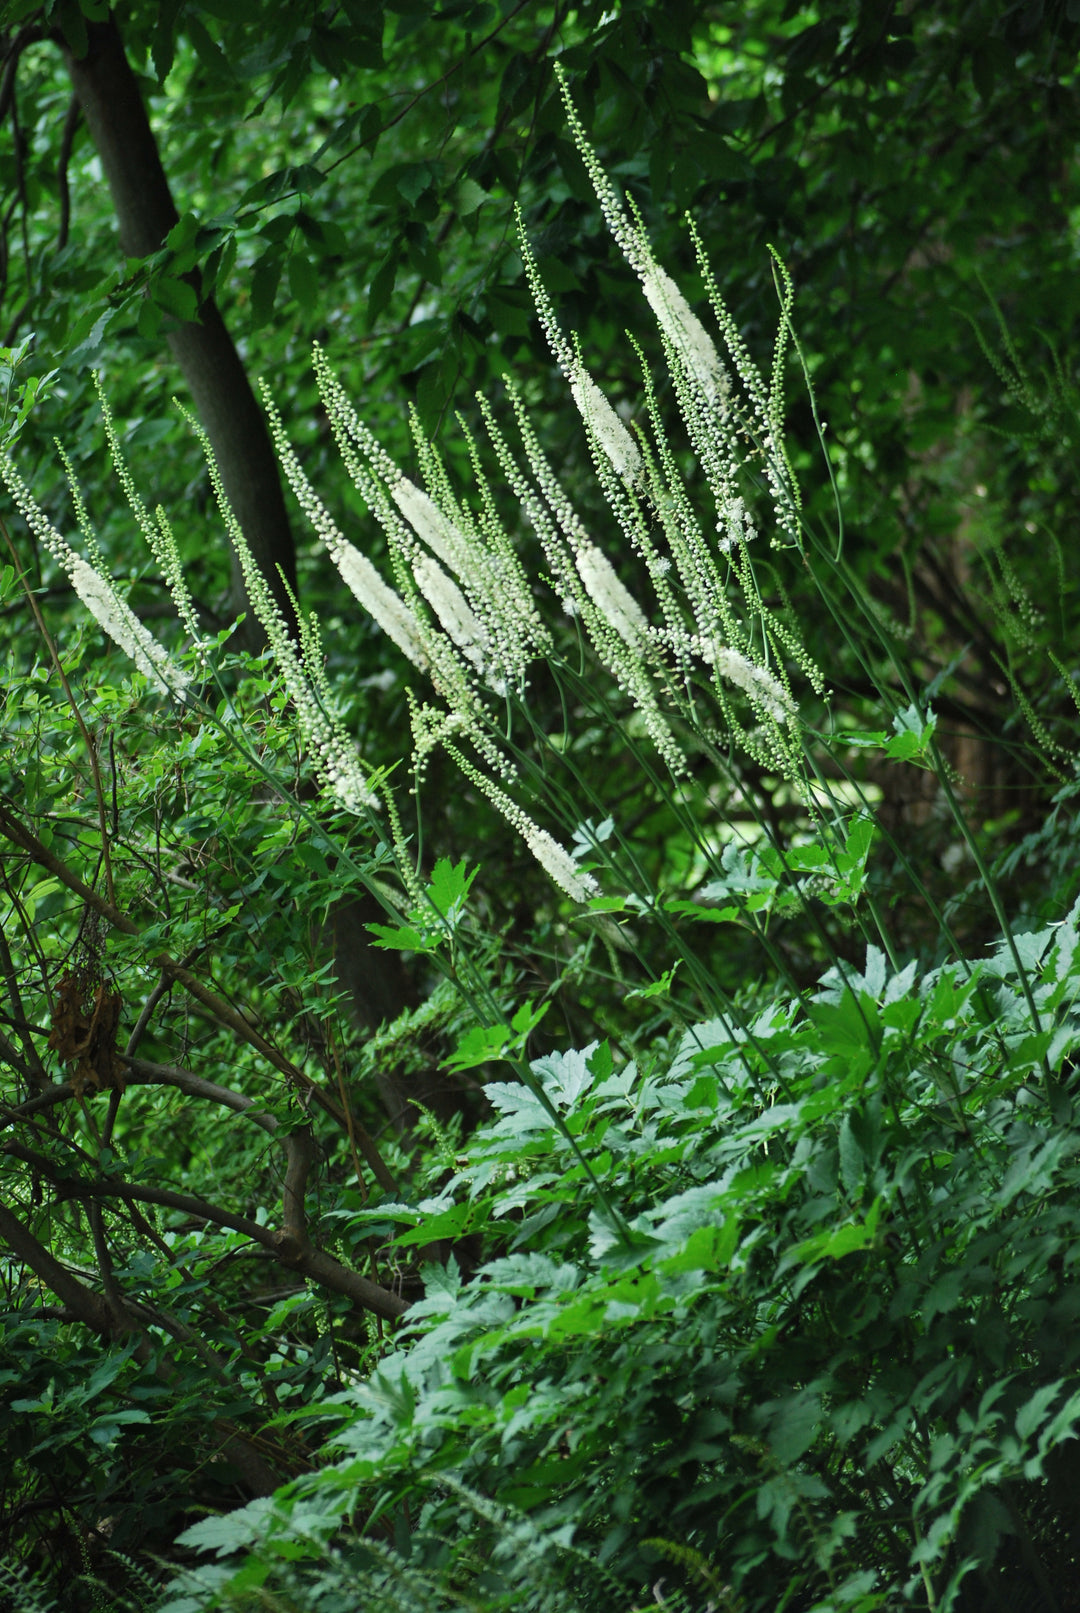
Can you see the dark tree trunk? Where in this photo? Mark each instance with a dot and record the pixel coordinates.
(112, 105)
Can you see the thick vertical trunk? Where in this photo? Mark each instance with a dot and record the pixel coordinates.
(109, 96)
(112, 105)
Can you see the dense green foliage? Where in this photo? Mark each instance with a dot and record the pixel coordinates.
(704, 1239)
(837, 1356)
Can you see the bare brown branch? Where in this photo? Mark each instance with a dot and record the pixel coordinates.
(77, 1298)
(307, 1260)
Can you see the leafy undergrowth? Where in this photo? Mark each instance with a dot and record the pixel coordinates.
(786, 1317)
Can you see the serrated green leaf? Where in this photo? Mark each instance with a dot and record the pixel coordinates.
(176, 297)
(311, 857)
(381, 287)
(659, 988)
(526, 1018)
(182, 233)
(231, 1532)
(264, 284)
(601, 1063)
(860, 837)
(914, 733)
(401, 939)
(903, 747)
(449, 885)
(480, 1045)
(467, 196)
(303, 279)
(565, 1077)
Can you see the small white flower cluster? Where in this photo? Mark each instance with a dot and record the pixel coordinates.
(587, 583)
(487, 565)
(158, 534)
(555, 860)
(735, 526)
(609, 431)
(629, 241)
(429, 523)
(728, 432)
(766, 406)
(113, 614)
(760, 686)
(452, 609)
(121, 624)
(380, 601)
(614, 602)
(686, 334)
(481, 600)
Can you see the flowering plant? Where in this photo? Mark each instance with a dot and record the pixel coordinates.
(690, 1226)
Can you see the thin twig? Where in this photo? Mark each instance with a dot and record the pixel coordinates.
(22, 837)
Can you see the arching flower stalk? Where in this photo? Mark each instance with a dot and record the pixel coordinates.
(333, 754)
(157, 533)
(97, 591)
(365, 584)
(606, 431)
(553, 858)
